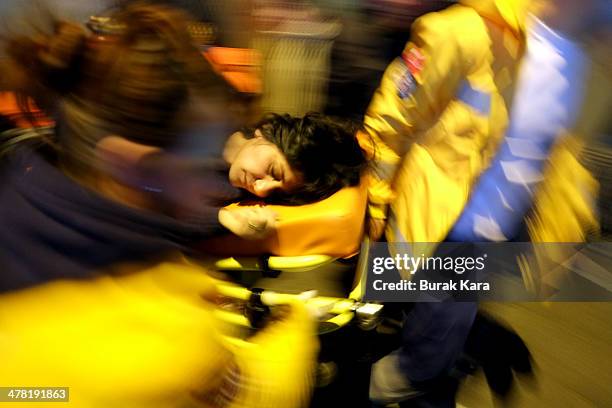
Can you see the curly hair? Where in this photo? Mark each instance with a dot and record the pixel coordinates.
(324, 150)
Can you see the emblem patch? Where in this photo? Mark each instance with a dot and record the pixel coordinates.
(405, 84)
(413, 61)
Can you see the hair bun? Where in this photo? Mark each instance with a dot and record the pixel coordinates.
(65, 46)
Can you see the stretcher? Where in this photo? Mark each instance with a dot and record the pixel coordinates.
(317, 255)
(315, 246)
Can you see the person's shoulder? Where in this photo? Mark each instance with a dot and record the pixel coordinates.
(458, 31)
(446, 20)
(450, 28)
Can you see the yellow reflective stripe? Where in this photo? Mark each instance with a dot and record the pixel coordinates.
(298, 263)
(239, 264)
(378, 212)
(235, 292)
(232, 318)
(342, 319)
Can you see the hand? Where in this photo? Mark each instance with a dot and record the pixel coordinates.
(376, 228)
(249, 222)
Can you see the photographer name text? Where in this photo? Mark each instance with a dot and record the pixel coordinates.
(425, 285)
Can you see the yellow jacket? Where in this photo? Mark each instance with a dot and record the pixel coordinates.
(146, 338)
(436, 130)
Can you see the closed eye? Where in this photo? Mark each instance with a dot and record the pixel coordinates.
(276, 173)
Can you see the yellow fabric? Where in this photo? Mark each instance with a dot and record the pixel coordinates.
(281, 360)
(444, 142)
(144, 339)
(510, 13)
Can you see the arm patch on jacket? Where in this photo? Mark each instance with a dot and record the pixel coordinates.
(414, 60)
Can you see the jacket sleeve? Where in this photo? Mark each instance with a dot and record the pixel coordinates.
(415, 89)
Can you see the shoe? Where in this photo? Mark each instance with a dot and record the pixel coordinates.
(499, 378)
(499, 351)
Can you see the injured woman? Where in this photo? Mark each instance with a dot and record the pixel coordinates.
(282, 160)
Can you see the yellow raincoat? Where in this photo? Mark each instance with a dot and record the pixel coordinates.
(148, 339)
(436, 130)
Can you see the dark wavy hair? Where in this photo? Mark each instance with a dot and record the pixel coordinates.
(323, 149)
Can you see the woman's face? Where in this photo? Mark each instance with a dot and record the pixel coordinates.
(261, 168)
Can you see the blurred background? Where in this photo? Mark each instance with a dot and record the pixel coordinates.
(329, 55)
